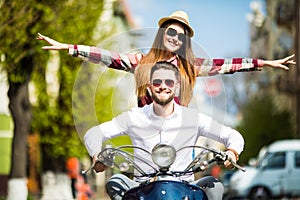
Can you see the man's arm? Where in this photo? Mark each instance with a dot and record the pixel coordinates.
(93, 140)
(232, 139)
(95, 136)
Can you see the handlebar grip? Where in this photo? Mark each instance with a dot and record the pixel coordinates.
(235, 164)
(92, 166)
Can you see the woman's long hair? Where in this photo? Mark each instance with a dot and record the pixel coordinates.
(158, 53)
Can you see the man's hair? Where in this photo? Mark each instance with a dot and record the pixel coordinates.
(165, 65)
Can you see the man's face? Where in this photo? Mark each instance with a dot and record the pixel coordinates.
(163, 86)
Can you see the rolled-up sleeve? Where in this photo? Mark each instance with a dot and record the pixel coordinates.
(93, 140)
(211, 67)
(95, 136)
(228, 136)
(111, 59)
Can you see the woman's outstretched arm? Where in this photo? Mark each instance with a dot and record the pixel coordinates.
(111, 59)
(280, 63)
(210, 67)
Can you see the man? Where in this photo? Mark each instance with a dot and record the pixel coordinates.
(163, 121)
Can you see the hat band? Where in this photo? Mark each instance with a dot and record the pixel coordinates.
(181, 19)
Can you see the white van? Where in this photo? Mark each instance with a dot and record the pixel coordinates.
(277, 173)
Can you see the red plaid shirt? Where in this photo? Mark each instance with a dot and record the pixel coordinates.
(128, 62)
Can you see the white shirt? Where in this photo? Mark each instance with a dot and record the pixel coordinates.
(146, 129)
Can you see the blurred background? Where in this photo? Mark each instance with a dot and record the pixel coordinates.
(44, 93)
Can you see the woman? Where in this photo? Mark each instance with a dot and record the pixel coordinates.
(172, 43)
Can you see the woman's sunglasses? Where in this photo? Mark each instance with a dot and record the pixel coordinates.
(172, 32)
(168, 82)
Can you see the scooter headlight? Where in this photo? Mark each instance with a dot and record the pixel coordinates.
(163, 155)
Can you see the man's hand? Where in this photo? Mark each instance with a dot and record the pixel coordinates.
(233, 157)
(98, 166)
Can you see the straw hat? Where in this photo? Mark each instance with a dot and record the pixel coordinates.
(180, 16)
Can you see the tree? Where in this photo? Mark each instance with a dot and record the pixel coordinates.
(262, 124)
(18, 21)
(23, 58)
(54, 121)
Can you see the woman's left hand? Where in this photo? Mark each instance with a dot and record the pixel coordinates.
(281, 63)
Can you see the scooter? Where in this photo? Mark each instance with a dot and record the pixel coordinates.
(162, 183)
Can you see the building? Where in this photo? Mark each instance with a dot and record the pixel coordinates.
(274, 36)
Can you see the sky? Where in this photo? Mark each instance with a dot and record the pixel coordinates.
(221, 27)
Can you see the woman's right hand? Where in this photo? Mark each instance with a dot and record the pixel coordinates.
(55, 45)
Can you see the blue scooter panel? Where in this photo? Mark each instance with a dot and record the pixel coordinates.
(165, 190)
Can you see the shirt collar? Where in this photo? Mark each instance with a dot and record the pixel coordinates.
(173, 60)
(176, 112)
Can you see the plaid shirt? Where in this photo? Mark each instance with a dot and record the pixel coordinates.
(128, 62)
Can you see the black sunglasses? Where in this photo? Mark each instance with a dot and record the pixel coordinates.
(172, 32)
(168, 82)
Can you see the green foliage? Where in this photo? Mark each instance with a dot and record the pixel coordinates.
(55, 122)
(262, 124)
(81, 94)
(71, 22)
(18, 19)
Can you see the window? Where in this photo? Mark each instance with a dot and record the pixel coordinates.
(275, 161)
(297, 159)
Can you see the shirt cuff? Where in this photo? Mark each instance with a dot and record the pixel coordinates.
(260, 62)
(235, 153)
(73, 50)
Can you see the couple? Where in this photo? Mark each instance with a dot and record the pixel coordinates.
(156, 93)
(172, 43)
(164, 121)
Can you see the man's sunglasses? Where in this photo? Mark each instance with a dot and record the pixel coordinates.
(172, 32)
(168, 82)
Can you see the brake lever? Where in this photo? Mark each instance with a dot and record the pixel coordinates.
(89, 169)
(92, 166)
(235, 164)
(222, 157)
(198, 167)
(106, 157)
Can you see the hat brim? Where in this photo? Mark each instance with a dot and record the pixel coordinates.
(164, 19)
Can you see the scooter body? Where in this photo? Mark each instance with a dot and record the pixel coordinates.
(167, 190)
(162, 183)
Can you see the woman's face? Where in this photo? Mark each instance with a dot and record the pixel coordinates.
(174, 37)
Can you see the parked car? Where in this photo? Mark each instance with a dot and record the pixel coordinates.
(277, 174)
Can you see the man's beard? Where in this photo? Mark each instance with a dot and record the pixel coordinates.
(162, 102)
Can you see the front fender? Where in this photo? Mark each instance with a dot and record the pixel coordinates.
(167, 190)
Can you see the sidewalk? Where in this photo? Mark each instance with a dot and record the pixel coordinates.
(100, 194)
